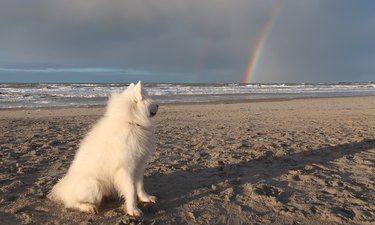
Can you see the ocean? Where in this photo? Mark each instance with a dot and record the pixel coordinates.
(56, 95)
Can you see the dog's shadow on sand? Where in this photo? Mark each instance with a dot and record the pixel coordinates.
(180, 187)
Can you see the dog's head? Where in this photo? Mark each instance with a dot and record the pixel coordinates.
(132, 105)
(140, 102)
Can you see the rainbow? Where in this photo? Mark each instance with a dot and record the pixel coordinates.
(257, 52)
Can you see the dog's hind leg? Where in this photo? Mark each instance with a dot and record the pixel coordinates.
(86, 208)
(124, 183)
(85, 196)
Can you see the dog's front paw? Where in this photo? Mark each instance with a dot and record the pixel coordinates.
(134, 212)
(152, 199)
(148, 199)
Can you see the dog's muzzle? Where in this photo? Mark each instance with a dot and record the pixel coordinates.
(153, 109)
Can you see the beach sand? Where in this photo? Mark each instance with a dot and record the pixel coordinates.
(305, 161)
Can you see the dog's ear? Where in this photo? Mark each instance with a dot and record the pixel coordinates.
(129, 88)
(138, 87)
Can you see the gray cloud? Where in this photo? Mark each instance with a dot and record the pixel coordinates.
(191, 41)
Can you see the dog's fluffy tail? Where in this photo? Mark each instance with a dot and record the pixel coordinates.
(71, 192)
(54, 194)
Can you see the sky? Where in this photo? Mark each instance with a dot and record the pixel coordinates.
(192, 41)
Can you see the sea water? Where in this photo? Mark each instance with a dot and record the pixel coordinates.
(52, 95)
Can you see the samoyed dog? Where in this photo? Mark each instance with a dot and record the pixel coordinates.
(112, 157)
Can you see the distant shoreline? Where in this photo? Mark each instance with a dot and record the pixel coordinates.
(93, 95)
(245, 101)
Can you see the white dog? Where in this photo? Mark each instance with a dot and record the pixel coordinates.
(113, 155)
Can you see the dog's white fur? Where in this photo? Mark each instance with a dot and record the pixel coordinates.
(113, 155)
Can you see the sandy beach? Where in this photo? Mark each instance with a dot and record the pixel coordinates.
(303, 161)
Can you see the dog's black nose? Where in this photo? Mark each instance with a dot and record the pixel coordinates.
(157, 106)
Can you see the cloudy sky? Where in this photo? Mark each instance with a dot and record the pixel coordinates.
(185, 40)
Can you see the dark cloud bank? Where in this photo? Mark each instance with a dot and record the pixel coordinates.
(186, 41)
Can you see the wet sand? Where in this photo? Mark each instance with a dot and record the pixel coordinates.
(306, 161)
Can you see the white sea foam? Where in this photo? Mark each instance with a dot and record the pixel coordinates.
(40, 95)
